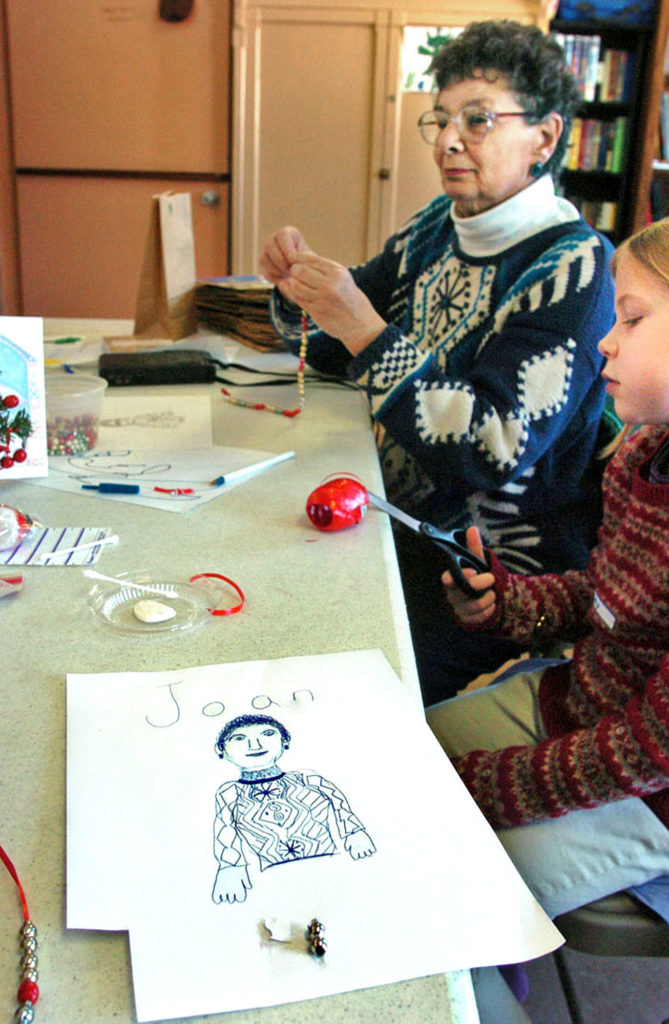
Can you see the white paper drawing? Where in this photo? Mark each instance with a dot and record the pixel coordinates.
(437, 894)
(178, 481)
(155, 422)
(277, 816)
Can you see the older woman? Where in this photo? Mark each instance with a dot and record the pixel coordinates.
(474, 335)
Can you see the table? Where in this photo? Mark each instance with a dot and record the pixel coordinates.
(307, 593)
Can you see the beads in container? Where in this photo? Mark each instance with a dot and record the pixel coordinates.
(71, 436)
(73, 404)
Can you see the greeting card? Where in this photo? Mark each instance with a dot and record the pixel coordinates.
(22, 398)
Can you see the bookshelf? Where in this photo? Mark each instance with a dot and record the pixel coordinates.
(609, 168)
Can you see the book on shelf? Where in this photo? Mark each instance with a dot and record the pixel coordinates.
(238, 306)
(664, 126)
(574, 145)
(616, 76)
(597, 145)
(605, 216)
(600, 215)
(581, 54)
(618, 145)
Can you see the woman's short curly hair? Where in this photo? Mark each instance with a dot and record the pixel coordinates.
(531, 62)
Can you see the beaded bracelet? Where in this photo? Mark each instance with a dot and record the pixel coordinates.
(28, 991)
(265, 406)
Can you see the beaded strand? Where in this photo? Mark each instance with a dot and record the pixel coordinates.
(28, 991)
(266, 406)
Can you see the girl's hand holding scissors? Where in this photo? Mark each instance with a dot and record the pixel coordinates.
(472, 611)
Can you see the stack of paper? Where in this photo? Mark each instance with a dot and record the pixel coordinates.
(238, 306)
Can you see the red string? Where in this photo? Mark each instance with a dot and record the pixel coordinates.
(217, 576)
(12, 870)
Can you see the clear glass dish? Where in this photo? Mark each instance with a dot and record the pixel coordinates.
(114, 604)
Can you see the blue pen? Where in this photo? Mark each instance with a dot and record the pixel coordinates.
(112, 488)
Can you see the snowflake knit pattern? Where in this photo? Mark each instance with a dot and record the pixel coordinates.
(485, 386)
(606, 712)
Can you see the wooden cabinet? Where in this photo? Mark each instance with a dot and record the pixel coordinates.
(82, 239)
(323, 136)
(109, 105)
(627, 112)
(280, 111)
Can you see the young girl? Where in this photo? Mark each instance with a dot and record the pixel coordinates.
(569, 761)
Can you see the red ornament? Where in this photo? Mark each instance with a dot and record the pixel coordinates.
(28, 992)
(20, 455)
(337, 504)
(10, 401)
(6, 462)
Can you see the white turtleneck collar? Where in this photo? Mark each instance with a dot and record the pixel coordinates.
(531, 210)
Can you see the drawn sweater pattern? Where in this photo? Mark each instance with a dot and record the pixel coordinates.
(485, 386)
(606, 711)
(283, 818)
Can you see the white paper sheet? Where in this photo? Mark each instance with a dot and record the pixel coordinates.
(190, 470)
(437, 893)
(157, 422)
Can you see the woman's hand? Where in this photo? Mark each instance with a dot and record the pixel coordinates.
(327, 291)
(278, 255)
(472, 611)
(323, 288)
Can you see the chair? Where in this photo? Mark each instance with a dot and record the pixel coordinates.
(616, 925)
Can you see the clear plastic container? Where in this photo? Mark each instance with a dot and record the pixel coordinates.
(114, 602)
(73, 403)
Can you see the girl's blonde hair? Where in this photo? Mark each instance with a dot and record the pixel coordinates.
(650, 246)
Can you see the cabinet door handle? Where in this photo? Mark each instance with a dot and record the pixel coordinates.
(384, 173)
(175, 10)
(210, 197)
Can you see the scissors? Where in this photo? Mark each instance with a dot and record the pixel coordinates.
(452, 542)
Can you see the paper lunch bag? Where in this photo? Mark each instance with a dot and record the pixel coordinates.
(166, 296)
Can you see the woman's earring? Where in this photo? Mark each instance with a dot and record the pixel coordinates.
(537, 169)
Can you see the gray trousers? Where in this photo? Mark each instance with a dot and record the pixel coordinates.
(565, 862)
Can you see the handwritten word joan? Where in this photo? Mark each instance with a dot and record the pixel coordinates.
(215, 708)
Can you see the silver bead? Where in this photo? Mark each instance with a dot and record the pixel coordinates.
(28, 929)
(25, 1014)
(315, 937)
(29, 974)
(29, 943)
(28, 962)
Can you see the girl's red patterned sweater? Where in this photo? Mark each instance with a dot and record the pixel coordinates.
(606, 712)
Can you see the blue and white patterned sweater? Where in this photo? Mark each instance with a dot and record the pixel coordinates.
(485, 386)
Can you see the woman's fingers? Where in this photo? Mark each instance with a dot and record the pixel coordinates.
(280, 251)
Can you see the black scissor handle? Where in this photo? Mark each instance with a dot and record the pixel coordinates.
(454, 544)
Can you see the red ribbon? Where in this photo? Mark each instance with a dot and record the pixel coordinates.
(217, 576)
(4, 857)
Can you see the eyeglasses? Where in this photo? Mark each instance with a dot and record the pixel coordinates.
(472, 123)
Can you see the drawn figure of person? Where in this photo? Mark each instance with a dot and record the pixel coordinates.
(278, 816)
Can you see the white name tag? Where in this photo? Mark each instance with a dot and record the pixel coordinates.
(605, 614)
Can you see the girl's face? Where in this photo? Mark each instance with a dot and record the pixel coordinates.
(637, 346)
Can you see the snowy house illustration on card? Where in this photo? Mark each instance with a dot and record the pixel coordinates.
(22, 399)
